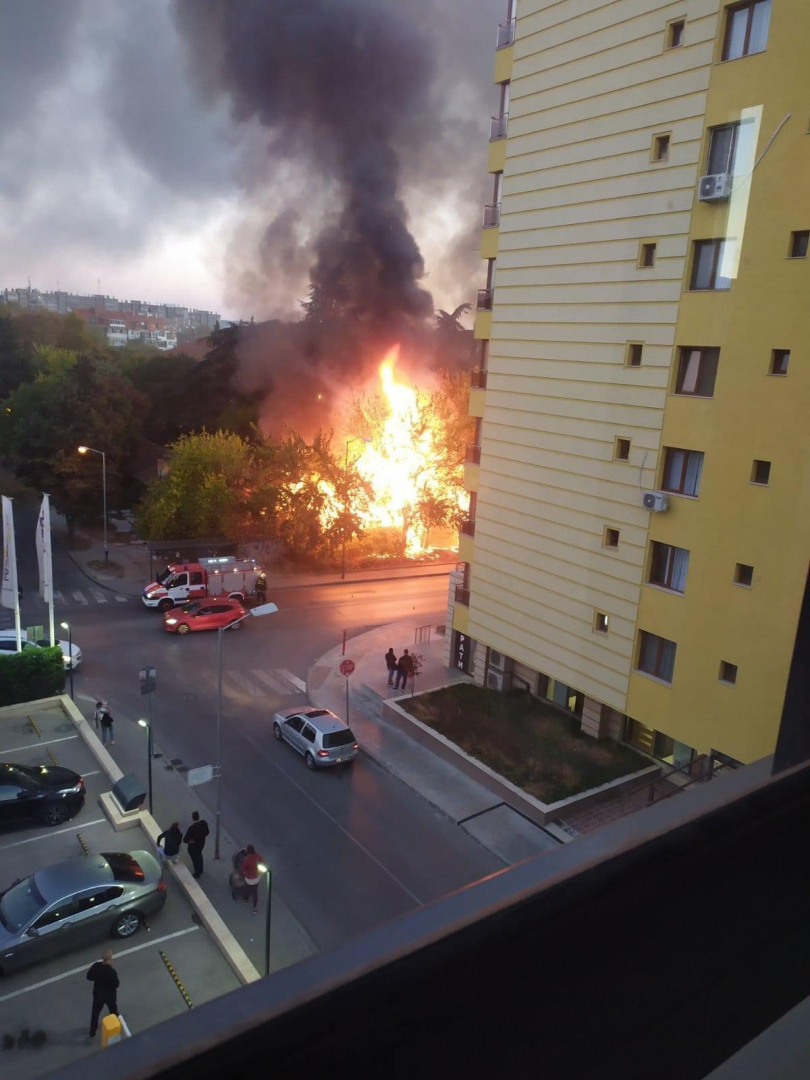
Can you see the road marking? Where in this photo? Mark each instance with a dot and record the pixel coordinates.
(120, 599)
(84, 967)
(268, 679)
(98, 595)
(58, 597)
(95, 772)
(54, 832)
(299, 684)
(244, 683)
(36, 746)
(79, 595)
(334, 821)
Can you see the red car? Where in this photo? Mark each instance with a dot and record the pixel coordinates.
(204, 615)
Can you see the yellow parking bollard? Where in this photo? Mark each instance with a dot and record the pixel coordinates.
(110, 1030)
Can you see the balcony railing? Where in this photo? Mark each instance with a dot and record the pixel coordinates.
(473, 454)
(468, 527)
(462, 595)
(498, 126)
(485, 299)
(478, 378)
(492, 215)
(506, 34)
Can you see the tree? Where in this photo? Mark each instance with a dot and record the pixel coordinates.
(164, 379)
(449, 322)
(15, 365)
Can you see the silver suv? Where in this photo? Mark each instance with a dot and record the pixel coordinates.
(318, 734)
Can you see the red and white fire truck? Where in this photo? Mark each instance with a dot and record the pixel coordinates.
(182, 582)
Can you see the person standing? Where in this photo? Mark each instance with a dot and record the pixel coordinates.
(104, 978)
(252, 875)
(404, 669)
(391, 664)
(195, 841)
(107, 732)
(172, 839)
(99, 712)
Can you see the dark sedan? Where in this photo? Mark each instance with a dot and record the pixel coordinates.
(46, 793)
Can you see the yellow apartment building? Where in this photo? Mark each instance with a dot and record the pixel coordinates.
(637, 548)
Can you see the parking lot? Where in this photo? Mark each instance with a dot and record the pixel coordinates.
(169, 965)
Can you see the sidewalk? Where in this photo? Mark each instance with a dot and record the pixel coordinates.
(496, 827)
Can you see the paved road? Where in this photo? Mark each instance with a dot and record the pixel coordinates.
(350, 848)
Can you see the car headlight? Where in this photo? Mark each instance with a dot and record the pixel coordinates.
(149, 595)
(171, 622)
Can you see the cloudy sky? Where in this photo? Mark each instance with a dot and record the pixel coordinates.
(135, 151)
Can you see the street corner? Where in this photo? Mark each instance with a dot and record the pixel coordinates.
(318, 675)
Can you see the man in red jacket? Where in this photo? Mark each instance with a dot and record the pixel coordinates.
(252, 875)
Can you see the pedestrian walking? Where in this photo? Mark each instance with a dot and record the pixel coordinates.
(99, 712)
(391, 664)
(172, 839)
(195, 841)
(106, 722)
(105, 982)
(404, 670)
(252, 875)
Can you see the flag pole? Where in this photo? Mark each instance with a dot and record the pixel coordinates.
(47, 568)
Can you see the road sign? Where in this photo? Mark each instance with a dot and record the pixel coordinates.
(147, 677)
(346, 667)
(200, 776)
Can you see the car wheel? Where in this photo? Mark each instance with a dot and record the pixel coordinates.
(235, 626)
(310, 760)
(183, 628)
(127, 924)
(165, 605)
(55, 813)
(277, 732)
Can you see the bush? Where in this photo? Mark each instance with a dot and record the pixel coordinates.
(31, 674)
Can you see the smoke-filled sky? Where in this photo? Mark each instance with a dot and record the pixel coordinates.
(217, 153)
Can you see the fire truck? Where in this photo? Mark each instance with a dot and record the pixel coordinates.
(180, 583)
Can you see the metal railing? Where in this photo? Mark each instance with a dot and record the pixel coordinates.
(485, 299)
(498, 126)
(421, 635)
(478, 378)
(473, 454)
(462, 595)
(506, 34)
(468, 527)
(492, 215)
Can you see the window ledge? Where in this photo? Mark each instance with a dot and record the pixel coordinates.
(700, 397)
(683, 495)
(725, 682)
(652, 678)
(663, 588)
(739, 585)
(753, 483)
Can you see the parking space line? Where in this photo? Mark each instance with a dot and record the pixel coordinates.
(54, 832)
(36, 746)
(84, 967)
(95, 772)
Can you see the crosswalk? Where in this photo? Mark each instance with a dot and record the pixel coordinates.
(77, 596)
(260, 683)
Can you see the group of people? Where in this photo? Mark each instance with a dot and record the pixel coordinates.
(401, 668)
(172, 840)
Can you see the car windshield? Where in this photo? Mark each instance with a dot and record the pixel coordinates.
(193, 607)
(20, 904)
(338, 738)
(163, 576)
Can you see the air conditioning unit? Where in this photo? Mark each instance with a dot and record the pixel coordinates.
(498, 661)
(714, 188)
(656, 501)
(499, 680)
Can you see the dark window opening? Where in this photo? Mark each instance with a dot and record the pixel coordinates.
(710, 265)
(779, 361)
(798, 244)
(761, 472)
(743, 574)
(697, 371)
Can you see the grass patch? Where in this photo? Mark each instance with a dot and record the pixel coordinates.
(111, 569)
(526, 741)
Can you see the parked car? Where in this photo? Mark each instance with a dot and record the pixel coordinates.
(318, 734)
(47, 793)
(77, 902)
(204, 615)
(8, 644)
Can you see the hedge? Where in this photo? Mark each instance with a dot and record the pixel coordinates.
(31, 674)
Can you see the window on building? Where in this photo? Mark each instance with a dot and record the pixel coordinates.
(611, 538)
(668, 566)
(798, 244)
(635, 350)
(761, 472)
(779, 361)
(697, 371)
(675, 33)
(710, 265)
(731, 148)
(600, 622)
(682, 471)
(743, 574)
(746, 28)
(660, 150)
(728, 672)
(656, 656)
(621, 450)
(646, 256)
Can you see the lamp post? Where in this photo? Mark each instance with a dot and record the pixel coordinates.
(264, 869)
(148, 726)
(262, 609)
(90, 450)
(349, 442)
(66, 626)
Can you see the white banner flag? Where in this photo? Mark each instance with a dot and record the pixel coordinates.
(44, 551)
(8, 592)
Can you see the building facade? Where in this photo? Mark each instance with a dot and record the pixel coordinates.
(637, 548)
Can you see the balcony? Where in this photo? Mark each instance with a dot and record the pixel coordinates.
(462, 595)
(498, 126)
(506, 34)
(485, 299)
(478, 378)
(468, 527)
(473, 454)
(492, 215)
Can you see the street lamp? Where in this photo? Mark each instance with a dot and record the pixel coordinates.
(263, 869)
(66, 626)
(349, 442)
(148, 726)
(262, 609)
(90, 450)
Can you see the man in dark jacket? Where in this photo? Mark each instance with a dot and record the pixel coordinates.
(404, 670)
(172, 839)
(391, 664)
(104, 978)
(195, 839)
